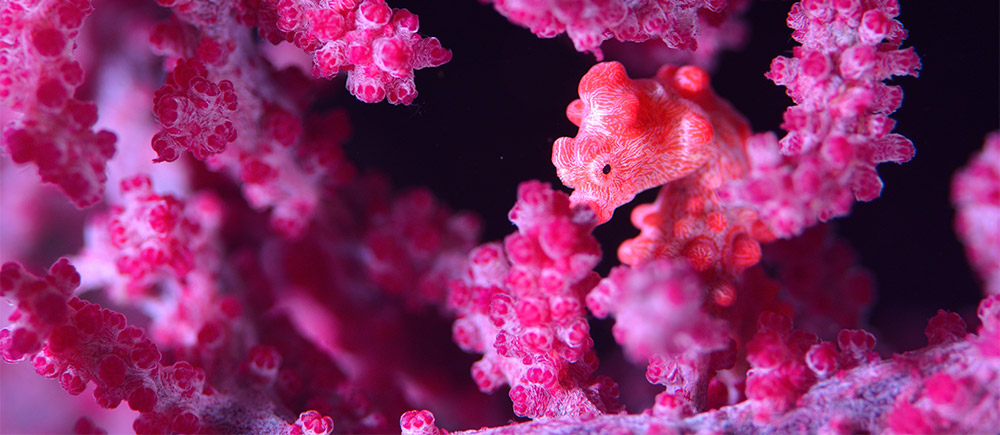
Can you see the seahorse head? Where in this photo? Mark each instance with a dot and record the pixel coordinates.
(634, 135)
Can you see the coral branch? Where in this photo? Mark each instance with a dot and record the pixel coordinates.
(821, 281)
(658, 318)
(839, 130)
(354, 286)
(224, 103)
(521, 306)
(43, 122)
(195, 113)
(589, 23)
(160, 253)
(950, 387)
(717, 32)
(77, 342)
(378, 47)
(271, 286)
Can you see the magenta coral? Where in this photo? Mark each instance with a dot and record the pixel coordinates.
(822, 281)
(718, 31)
(260, 256)
(976, 194)
(657, 307)
(194, 113)
(151, 246)
(378, 46)
(877, 396)
(839, 129)
(151, 236)
(84, 343)
(43, 122)
(589, 23)
(521, 306)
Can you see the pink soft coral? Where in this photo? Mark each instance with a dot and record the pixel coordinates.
(659, 318)
(945, 387)
(78, 343)
(839, 130)
(43, 121)
(589, 23)
(976, 195)
(223, 102)
(270, 287)
(377, 46)
(521, 306)
(161, 253)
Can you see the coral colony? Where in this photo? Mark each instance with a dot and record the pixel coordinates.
(240, 273)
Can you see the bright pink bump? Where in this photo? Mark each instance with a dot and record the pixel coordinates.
(823, 359)
(142, 399)
(856, 347)
(780, 370)
(194, 112)
(264, 362)
(945, 327)
(111, 371)
(313, 423)
(185, 421)
(419, 423)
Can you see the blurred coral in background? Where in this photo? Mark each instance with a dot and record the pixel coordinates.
(202, 232)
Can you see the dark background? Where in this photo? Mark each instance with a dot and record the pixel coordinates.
(486, 121)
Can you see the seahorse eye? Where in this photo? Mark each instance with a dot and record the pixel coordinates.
(607, 169)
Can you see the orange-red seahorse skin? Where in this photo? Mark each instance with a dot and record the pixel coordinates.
(638, 134)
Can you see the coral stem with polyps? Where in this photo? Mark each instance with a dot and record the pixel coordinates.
(244, 270)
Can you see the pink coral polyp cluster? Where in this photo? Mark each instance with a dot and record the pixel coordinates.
(146, 247)
(149, 239)
(521, 305)
(43, 122)
(659, 319)
(376, 45)
(85, 343)
(194, 113)
(639, 298)
(839, 130)
(589, 23)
